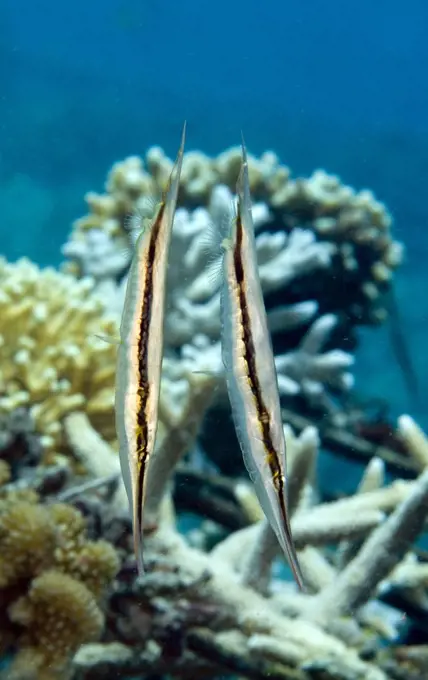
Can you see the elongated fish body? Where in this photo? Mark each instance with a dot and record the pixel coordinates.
(140, 351)
(251, 375)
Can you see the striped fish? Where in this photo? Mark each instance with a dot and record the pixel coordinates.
(250, 371)
(140, 351)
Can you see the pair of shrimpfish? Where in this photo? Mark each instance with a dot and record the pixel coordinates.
(247, 356)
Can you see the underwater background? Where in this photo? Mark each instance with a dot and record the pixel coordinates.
(323, 85)
(335, 86)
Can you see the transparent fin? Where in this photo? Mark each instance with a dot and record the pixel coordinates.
(138, 542)
(144, 215)
(274, 508)
(210, 241)
(109, 341)
(214, 272)
(170, 194)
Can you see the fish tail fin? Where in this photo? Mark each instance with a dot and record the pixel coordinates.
(285, 536)
(287, 545)
(138, 548)
(138, 528)
(274, 505)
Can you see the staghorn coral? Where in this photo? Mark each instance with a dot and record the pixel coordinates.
(52, 361)
(220, 612)
(52, 579)
(195, 613)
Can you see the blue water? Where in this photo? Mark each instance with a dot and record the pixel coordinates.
(326, 84)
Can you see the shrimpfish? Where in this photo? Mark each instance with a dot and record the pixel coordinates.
(139, 359)
(250, 371)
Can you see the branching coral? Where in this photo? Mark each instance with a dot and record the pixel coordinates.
(52, 361)
(199, 613)
(348, 231)
(311, 233)
(225, 609)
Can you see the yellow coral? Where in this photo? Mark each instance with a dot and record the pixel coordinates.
(70, 522)
(34, 537)
(52, 360)
(45, 554)
(27, 540)
(95, 565)
(59, 615)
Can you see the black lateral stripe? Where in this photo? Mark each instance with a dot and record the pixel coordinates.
(250, 362)
(139, 499)
(143, 391)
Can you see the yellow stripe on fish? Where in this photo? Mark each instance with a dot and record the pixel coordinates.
(140, 352)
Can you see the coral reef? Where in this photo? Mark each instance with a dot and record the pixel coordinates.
(52, 579)
(58, 614)
(310, 233)
(199, 614)
(217, 599)
(52, 360)
(309, 225)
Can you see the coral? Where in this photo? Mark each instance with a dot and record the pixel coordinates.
(187, 392)
(20, 445)
(332, 229)
(52, 361)
(215, 601)
(310, 233)
(221, 612)
(90, 449)
(27, 540)
(59, 614)
(51, 581)
(308, 371)
(91, 563)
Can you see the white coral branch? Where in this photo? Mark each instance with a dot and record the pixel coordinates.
(307, 371)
